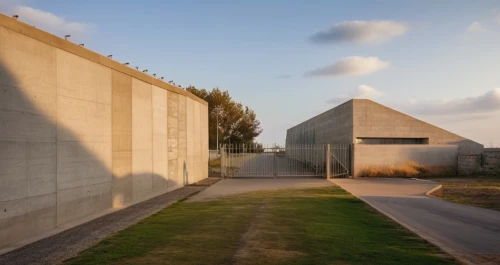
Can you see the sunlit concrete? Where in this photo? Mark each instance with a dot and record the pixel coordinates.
(160, 150)
(358, 119)
(81, 134)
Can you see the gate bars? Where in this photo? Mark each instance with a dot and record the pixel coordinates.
(340, 160)
(275, 161)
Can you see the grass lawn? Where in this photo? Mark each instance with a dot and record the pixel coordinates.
(306, 226)
(480, 192)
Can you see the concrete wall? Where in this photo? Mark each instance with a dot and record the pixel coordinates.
(331, 127)
(375, 120)
(486, 163)
(442, 157)
(361, 118)
(81, 134)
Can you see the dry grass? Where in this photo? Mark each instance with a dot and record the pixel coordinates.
(475, 192)
(407, 170)
(215, 163)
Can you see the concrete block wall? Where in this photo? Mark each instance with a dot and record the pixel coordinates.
(468, 164)
(81, 134)
(486, 163)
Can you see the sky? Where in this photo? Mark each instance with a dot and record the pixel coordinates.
(291, 60)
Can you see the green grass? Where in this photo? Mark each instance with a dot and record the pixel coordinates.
(307, 226)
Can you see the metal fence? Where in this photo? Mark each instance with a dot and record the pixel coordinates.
(214, 167)
(272, 161)
(340, 160)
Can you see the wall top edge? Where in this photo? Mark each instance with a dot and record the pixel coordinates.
(492, 149)
(65, 45)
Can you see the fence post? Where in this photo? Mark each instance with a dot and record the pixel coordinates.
(328, 155)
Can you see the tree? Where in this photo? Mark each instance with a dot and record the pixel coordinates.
(237, 124)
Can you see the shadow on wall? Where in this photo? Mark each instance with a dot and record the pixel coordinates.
(48, 175)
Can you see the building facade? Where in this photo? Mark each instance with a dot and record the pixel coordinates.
(382, 137)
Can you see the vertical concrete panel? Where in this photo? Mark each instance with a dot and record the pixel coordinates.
(142, 142)
(173, 136)
(83, 137)
(27, 137)
(204, 135)
(27, 89)
(182, 139)
(122, 139)
(190, 137)
(160, 140)
(197, 142)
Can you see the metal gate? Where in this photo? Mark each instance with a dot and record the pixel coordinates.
(340, 160)
(273, 161)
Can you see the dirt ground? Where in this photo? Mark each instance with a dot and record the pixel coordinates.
(477, 192)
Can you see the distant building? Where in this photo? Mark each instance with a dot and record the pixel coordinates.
(382, 137)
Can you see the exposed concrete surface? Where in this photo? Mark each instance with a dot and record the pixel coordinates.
(372, 119)
(364, 118)
(67, 244)
(466, 232)
(82, 135)
(359, 119)
(230, 187)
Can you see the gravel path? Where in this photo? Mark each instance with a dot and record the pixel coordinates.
(67, 244)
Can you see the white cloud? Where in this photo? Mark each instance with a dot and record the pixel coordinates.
(351, 66)
(362, 92)
(52, 23)
(486, 103)
(361, 32)
(476, 27)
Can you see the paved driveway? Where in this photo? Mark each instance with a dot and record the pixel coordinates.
(467, 232)
(231, 187)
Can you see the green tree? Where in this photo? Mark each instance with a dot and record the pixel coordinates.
(238, 124)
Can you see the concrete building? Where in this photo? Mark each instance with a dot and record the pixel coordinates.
(382, 137)
(82, 135)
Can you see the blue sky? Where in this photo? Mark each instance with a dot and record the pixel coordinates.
(436, 60)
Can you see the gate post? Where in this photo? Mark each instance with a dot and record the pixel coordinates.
(328, 156)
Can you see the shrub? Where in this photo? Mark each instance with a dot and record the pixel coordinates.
(409, 169)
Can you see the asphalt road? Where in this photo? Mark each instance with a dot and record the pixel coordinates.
(472, 234)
